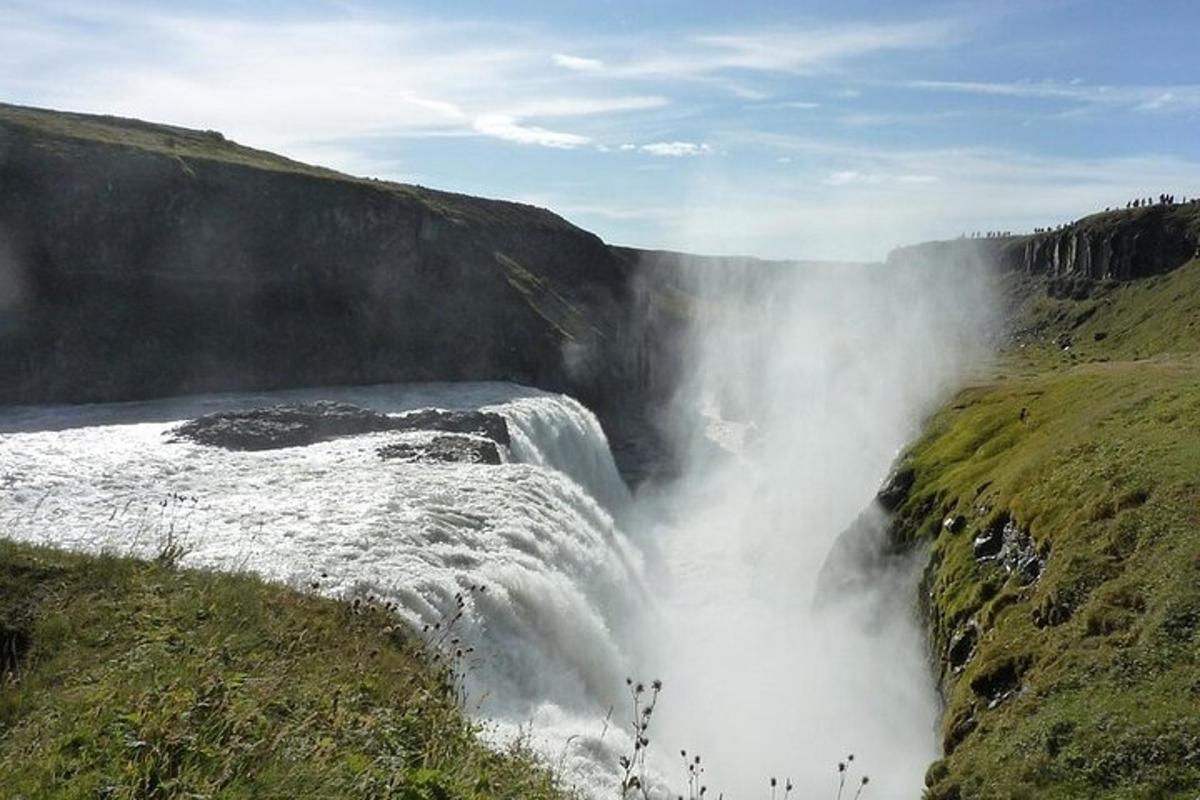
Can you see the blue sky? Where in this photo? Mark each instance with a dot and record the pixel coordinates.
(780, 129)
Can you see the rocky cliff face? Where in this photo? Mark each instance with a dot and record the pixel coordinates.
(139, 260)
(1111, 246)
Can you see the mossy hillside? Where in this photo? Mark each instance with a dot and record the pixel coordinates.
(129, 679)
(1155, 316)
(1085, 682)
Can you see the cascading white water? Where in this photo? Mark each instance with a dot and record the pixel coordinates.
(561, 578)
(567, 437)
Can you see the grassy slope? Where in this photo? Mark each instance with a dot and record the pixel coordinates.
(1104, 473)
(60, 128)
(136, 680)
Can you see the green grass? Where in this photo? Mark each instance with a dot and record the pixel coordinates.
(164, 139)
(1154, 317)
(1103, 472)
(64, 132)
(129, 679)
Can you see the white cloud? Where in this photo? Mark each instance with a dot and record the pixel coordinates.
(1162, 101)
(584, 106)
(577, 63)
(448, 110)
(676, 149)
(851, 176)
(306, 86)
(342, 88)
(510, 129)
(807, 50)
(791, 213)
(291, 82)
(722, 60)
(1146, 98)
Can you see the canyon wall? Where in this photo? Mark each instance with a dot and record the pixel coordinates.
(141, 260)
(1117, 245)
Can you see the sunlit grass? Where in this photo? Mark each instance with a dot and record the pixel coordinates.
(130, 679)
(1097, 457)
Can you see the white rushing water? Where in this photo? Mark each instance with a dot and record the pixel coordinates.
(537, 531)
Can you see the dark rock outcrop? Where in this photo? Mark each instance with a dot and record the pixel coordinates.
(962, 647)
(281, 426)
(896, 488)
(482, 423)
(303, 424)
(1004, 543)
(452, 448)
(999, 681)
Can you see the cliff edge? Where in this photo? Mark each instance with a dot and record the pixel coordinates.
(141, 260)
(1119, 245)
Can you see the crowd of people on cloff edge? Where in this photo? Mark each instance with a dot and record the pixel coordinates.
(1140, 202)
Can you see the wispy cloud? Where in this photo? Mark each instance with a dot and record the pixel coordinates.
(849, 177)
(1164, 100)
(373, 91)
(856, 200)
(508, 128)
(801, 105)
(794, 51)
(853, 177)
(676, 149)
(577, 63)
(293, 83)
(1145, 98)
(585, 106)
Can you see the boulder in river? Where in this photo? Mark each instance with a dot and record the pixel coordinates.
(447, 448)
(296, 425)
(483, 423)
(281, 426)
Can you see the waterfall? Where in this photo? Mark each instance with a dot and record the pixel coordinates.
(560, 577)
(558, 432)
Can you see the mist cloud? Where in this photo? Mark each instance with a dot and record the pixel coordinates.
(829, 372)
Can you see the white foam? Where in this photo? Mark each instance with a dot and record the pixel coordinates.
(561, 576)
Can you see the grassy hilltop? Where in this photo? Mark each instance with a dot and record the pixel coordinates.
(61, 133)
(1086, 681)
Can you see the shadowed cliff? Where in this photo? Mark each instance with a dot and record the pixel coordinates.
(141, 260)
